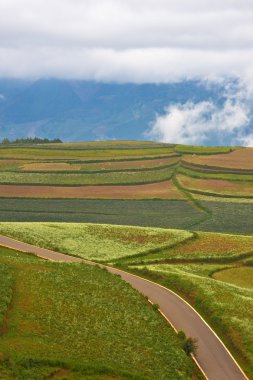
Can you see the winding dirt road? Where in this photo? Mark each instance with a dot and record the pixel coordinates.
(213, 357)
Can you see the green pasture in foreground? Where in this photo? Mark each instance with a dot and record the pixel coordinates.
(73, 321)
(5, 292)
(94, 241)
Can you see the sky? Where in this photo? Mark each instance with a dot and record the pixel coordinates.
(155, 41)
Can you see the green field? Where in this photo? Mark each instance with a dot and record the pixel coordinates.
(80, 322)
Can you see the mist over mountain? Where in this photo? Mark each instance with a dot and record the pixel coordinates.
(88, 110)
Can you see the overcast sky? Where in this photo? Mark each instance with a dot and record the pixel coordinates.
(126, 40)
(141, 41)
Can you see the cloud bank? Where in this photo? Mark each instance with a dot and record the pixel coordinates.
(126, 40)
(226, 123)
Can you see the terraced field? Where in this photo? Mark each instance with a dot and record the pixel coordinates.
(239, 159)
(199, 178)
(223, 188)
(116, 185)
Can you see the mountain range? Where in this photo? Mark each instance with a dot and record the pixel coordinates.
(87, 110)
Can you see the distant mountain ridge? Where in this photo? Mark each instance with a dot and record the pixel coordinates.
(86, 110)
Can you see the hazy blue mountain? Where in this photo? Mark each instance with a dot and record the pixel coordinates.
(82, 110)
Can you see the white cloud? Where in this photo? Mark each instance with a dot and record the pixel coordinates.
(207, 122)
(126, 40)
(247, 140)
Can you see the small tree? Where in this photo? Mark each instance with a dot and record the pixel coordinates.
(6, 141)
(190, 346)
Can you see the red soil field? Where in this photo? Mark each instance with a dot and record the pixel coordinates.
(239, 159)
(217, 186)
(161, 190)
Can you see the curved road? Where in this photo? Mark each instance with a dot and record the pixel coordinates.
(213, 357)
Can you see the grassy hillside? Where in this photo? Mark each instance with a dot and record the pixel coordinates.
(74, 321)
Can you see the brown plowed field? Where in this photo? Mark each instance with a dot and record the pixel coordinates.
(239, 159)
(217, 186)
(162, 190)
